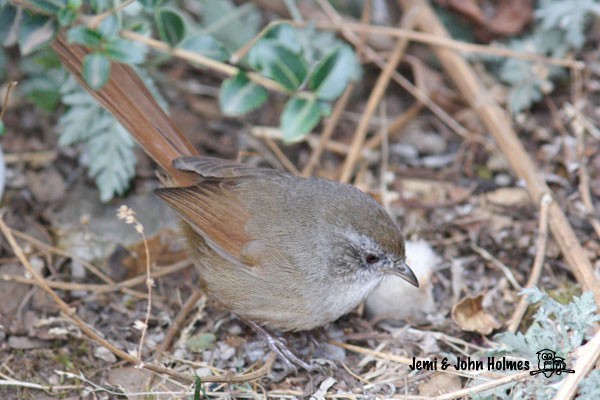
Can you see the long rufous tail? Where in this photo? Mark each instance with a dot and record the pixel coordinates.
(132, 104)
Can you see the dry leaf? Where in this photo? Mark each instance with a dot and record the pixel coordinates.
(493, 19)
(469, 315)
(508, 197)
(440, 384)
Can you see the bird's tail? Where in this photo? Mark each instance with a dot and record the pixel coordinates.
(132, 104)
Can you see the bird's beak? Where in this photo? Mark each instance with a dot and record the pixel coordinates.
(402, 270)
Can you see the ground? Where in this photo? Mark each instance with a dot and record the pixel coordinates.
(458, 194)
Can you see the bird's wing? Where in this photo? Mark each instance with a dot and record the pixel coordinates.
(214, 211)
(219, 168)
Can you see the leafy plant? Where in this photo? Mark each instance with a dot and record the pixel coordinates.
(559, 327)
(312, 67)
(312, 77)
(559, 29)
(589, 388)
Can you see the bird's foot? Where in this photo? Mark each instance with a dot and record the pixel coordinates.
(279, 346)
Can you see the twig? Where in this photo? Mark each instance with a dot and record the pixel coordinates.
(444, 42)
(396, 125)
(588, 356)
(46, 247)
(91, 333)
(538, 262)
(398, 78)
(287, 164)
(96, 20)
(33, 157)
(189, 305)
(497, 122)
(207, 62)
(505, 270)
(470, 391)
(128, 215)
(330, 126)
(385, 159)
(374, 99)
(584, 177)
(9, 89)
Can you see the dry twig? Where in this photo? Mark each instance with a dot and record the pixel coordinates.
(538, 263)
(498, 123)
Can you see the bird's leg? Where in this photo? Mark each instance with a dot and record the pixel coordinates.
(278, 345)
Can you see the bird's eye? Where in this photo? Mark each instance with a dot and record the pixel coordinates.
(371, 259)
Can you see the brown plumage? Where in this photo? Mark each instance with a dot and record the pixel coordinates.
(283, 251)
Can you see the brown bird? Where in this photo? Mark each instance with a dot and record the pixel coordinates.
(281, 251)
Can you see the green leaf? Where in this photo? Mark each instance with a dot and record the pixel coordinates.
(110, 26)
(239, 95)
(99, 5)
(325, 108)
(85, 36)
(8, 25)
(3, 60)
(150, 5)
(74, 4)
(279, 63)
(218, 18)
(299, 117)
(96, 70)
(125, 51)
(286, 35)
(331, 76)
(201, 342)
(206, 46)
(48, 6)
(36, 31)
(2, 128)
(171, 26)
(66, 16)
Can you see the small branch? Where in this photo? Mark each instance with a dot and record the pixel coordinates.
(498, 123)
(330, 126)
(499, 264)
(175, 327)
(287, 164)
(588, 356)
(9, 89)
(70, 313)
(447, 43)
(207, 62)
(538, 263)
(376, 95)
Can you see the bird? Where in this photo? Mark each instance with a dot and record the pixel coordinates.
(283, 252)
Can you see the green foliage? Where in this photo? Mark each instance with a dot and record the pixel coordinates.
(331, 76)
(96, 70)
(559, 29)
(108, 148)
(206, 46)
(218, 18)
(299, 117)
(559, 327)
(313, 67)
(589, 388)
(44, 79)
(279, 63)
(295, 59)
(239, 95)
(170, 25)
(35, 32)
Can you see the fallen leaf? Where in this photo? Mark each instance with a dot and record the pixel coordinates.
(440, 384)
(508, 197)
(130, 380)
(493, 19)
(469, 315)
